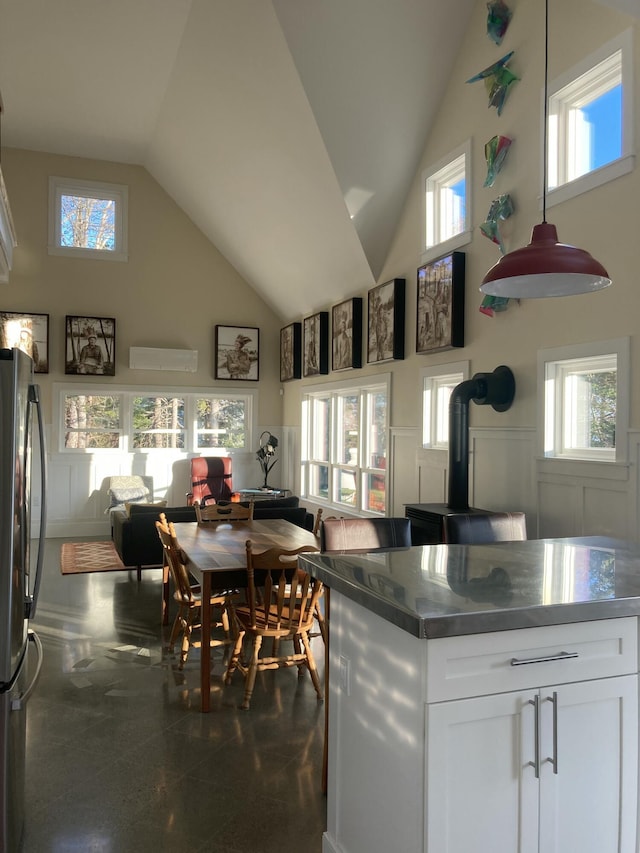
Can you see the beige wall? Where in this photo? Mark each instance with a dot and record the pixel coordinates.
(171, 293)
(606, 221)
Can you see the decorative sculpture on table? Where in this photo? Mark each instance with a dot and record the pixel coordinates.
(498, 19)
(265, 454)
(497, 80)
(495, 151)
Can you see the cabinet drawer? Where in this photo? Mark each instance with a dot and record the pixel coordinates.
(478, 665)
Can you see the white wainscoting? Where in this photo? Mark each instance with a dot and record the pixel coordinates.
(403, 484)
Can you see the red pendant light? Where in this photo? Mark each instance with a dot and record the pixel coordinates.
(545, 267)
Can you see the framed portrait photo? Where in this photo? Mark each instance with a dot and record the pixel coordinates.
(28, 332)
(315, 344)
(90, 346)
(346, 334)
(385, 328)
(237, 353)
(440, 308)
(291, 352)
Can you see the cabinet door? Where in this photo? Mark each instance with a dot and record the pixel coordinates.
(590, 803)
(482, 792)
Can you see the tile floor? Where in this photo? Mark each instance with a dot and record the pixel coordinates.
(119, 757)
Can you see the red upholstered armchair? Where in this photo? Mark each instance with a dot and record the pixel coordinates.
(210, 480)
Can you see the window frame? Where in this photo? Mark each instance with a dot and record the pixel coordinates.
(332, 395)
(432, 379)
(621, 165)
(430, 176)
(552, 365)
(126, 394)
(119, 193)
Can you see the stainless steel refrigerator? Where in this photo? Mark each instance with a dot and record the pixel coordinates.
(21, 430)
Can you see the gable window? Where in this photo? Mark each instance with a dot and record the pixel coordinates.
(128, 420)
(87, 219)
(590, 122)
(344, 461)
(437, 385)
(585, 400)
(447, 203)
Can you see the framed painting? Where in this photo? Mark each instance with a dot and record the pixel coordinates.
(90, 346)
(28, 332)
(291, 352)
(385, 329)
(237, 353)
(315, 344)
(440, 309)
(346, 334)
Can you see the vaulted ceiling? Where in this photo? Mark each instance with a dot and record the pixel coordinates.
(288, 130)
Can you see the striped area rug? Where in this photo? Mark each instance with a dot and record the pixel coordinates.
(80, 557)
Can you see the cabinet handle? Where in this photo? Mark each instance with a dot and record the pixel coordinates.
(554, 700)
(536, 735)
(544, 659)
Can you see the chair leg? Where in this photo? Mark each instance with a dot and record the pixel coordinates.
(311, 663)
(322, 625)
(251, 674)
(139, 573)
(235, 655)
(177, 625)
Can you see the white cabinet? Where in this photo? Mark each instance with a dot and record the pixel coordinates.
(434, 745)
(550, 770)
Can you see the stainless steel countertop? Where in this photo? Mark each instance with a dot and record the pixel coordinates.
(448, 590)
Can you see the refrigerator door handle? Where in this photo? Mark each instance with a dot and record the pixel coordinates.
(20, 701)
(34, 400)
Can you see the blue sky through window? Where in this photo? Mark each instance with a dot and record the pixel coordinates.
(604, 116)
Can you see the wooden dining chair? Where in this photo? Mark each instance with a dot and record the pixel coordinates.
(188, 596)
(281, 601)
(223, 512)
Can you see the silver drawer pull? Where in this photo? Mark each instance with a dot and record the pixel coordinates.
(545, 659)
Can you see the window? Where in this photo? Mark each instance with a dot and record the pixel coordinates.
(345, 460)
(585, 400)
(590, 122)
(130, 421)
(437, 385)
(87, 219)
(91, 421)
(447, 206)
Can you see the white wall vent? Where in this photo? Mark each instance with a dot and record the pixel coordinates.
(150, 358)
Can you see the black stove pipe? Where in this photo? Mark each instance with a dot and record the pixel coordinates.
(496, 389)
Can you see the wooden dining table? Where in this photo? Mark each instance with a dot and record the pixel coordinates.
(216, 557)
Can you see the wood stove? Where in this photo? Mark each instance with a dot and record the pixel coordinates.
(496, 389)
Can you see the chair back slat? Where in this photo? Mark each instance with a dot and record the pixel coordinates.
(223, 512)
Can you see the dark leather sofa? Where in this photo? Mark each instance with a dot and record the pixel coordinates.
(138, 544)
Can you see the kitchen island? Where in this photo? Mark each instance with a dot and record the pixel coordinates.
(483, 699)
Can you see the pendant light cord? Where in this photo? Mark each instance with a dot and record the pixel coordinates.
(545, 142)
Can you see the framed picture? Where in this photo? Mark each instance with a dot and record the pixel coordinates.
(315, 344)
(385, 332)
(28, 332)
(440, 314)
(291, 352)
(346, 335)
(90, 346)
(237, 353)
